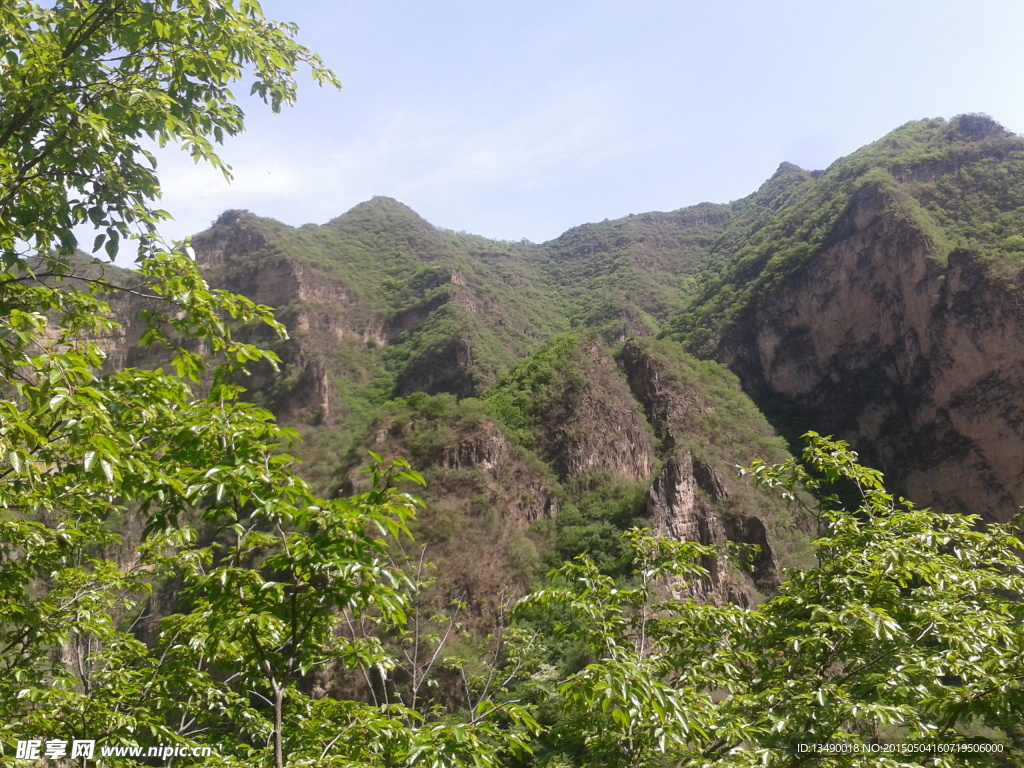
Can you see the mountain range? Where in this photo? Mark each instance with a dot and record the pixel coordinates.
(554, 394)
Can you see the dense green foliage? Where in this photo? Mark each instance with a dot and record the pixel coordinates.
(536, 386)
(593, 524)
(899, 648)
(627, 277)
(117, 487)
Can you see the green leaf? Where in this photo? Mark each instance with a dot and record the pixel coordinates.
(112, 244)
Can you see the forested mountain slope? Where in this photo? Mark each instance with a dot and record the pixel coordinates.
(540, 435)
(878, 300)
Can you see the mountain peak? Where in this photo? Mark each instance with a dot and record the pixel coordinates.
(232, 216)
(787, 169)
(382, 207)
(974, 126)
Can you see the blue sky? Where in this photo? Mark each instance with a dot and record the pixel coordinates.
(521, 118)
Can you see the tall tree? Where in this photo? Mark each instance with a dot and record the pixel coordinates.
(112, 481)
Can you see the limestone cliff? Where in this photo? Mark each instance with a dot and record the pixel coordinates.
(903, 340)
(595, 425)
(705, 432)
(918, 365)
(682, 505)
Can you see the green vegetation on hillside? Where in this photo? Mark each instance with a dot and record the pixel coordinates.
(550, 377)
(724, 422)
(626, 277)
(960, 182)
(414, 307)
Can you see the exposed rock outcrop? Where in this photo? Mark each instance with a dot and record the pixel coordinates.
(690, 499)
(522, 494)
(680, 505)
(677, 512)
(600, 428)
(666, 407)
(485, 450)
(448, 367)
(918, 366)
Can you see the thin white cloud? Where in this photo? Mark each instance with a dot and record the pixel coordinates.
(412, 152)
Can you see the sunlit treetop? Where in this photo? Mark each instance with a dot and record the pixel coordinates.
(86, 86)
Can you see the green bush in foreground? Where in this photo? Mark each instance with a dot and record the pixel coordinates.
(908, 632)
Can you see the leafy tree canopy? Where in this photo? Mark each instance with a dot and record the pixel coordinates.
(902, 647)
(113, 483)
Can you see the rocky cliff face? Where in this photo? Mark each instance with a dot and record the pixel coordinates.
(323, 316)
(497, 493)
(681, 505)
(880, 301)
(690, 498)
(919, 365)
(473, 459)
(597, 427)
